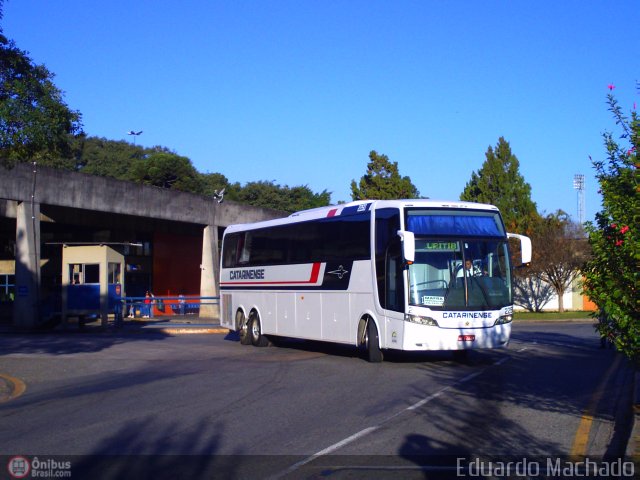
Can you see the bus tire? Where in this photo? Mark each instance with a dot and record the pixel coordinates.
(255, 331)
(372, 342)
(242, 327)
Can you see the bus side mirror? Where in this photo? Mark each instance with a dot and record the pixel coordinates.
(408, 245)
(525, 247)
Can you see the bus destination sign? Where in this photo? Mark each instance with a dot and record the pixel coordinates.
(440, 247)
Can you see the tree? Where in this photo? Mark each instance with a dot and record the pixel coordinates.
(289, 199)
(500, 183)
(382, 181)
(35, 122)
(216, 182)
(531, 293)
(167, 170)
(107, 158)
(560, 252)
(612, 274)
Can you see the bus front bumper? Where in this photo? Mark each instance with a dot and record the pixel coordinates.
(422, 337)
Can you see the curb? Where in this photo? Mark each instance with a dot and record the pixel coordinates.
(10, 388)
(166, 329)
(185, 330)
(175, 327)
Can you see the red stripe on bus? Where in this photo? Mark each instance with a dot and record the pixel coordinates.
(314, 272)
(313, 278)
(332, 212)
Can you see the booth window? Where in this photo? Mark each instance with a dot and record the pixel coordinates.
(114, 272)
(80, 273)
(75, 273)
(92, 273)
(7, 287)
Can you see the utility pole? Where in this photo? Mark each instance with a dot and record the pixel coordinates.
(578, 184)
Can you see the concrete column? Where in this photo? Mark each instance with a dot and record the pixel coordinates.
(26, 308)
(209, 271)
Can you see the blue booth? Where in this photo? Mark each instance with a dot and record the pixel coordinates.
(92, 283)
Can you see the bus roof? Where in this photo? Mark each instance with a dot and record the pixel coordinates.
(360, 206)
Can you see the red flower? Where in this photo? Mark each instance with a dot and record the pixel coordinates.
(624, 229)
(611, 86)
(614, 225)
(619, 243)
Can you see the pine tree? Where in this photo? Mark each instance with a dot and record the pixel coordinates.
(500, 183)
(382, 181)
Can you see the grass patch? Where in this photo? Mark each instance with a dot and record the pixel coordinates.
(552, 315)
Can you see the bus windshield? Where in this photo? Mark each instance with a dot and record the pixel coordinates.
(455, 273)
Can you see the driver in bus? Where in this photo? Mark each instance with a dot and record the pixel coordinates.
(470, 270)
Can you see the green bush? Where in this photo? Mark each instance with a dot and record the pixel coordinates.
(611, 276)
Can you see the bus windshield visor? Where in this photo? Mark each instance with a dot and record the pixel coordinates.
(459, 273)
(455, 222)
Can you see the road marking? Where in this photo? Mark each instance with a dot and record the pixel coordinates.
(581, 439)
(366, 431)
(16, 386)
(326, 451)
(426, 400)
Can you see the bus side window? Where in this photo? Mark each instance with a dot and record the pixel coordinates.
(244, 248)
(230, 250)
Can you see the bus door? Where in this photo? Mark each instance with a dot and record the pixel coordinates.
(390, 275)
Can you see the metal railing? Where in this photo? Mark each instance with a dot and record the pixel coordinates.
(165, 306)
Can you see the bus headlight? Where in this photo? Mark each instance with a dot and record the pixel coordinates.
(420, 320)
(504, 319)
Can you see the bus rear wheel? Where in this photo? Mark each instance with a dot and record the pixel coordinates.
(372, 343)
(255, 331)
(242, 327)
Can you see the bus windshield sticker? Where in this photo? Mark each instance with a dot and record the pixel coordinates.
(433, 301)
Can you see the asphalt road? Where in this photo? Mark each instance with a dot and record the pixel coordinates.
(203, 405)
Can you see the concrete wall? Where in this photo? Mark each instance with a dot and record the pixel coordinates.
(573, 299)
(101, 194)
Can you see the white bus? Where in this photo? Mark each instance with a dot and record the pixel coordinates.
(386, 274)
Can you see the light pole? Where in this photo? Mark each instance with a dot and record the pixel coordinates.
(135, 134)
(578, 184)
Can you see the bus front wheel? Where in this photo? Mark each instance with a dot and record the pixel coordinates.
(255, 331)
(372, 342)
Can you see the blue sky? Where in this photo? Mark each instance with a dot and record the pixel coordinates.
(299, 92)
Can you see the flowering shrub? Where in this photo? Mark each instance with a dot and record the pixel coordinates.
(612, 274)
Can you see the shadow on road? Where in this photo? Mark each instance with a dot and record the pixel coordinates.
(62, 343)
(500, 434)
